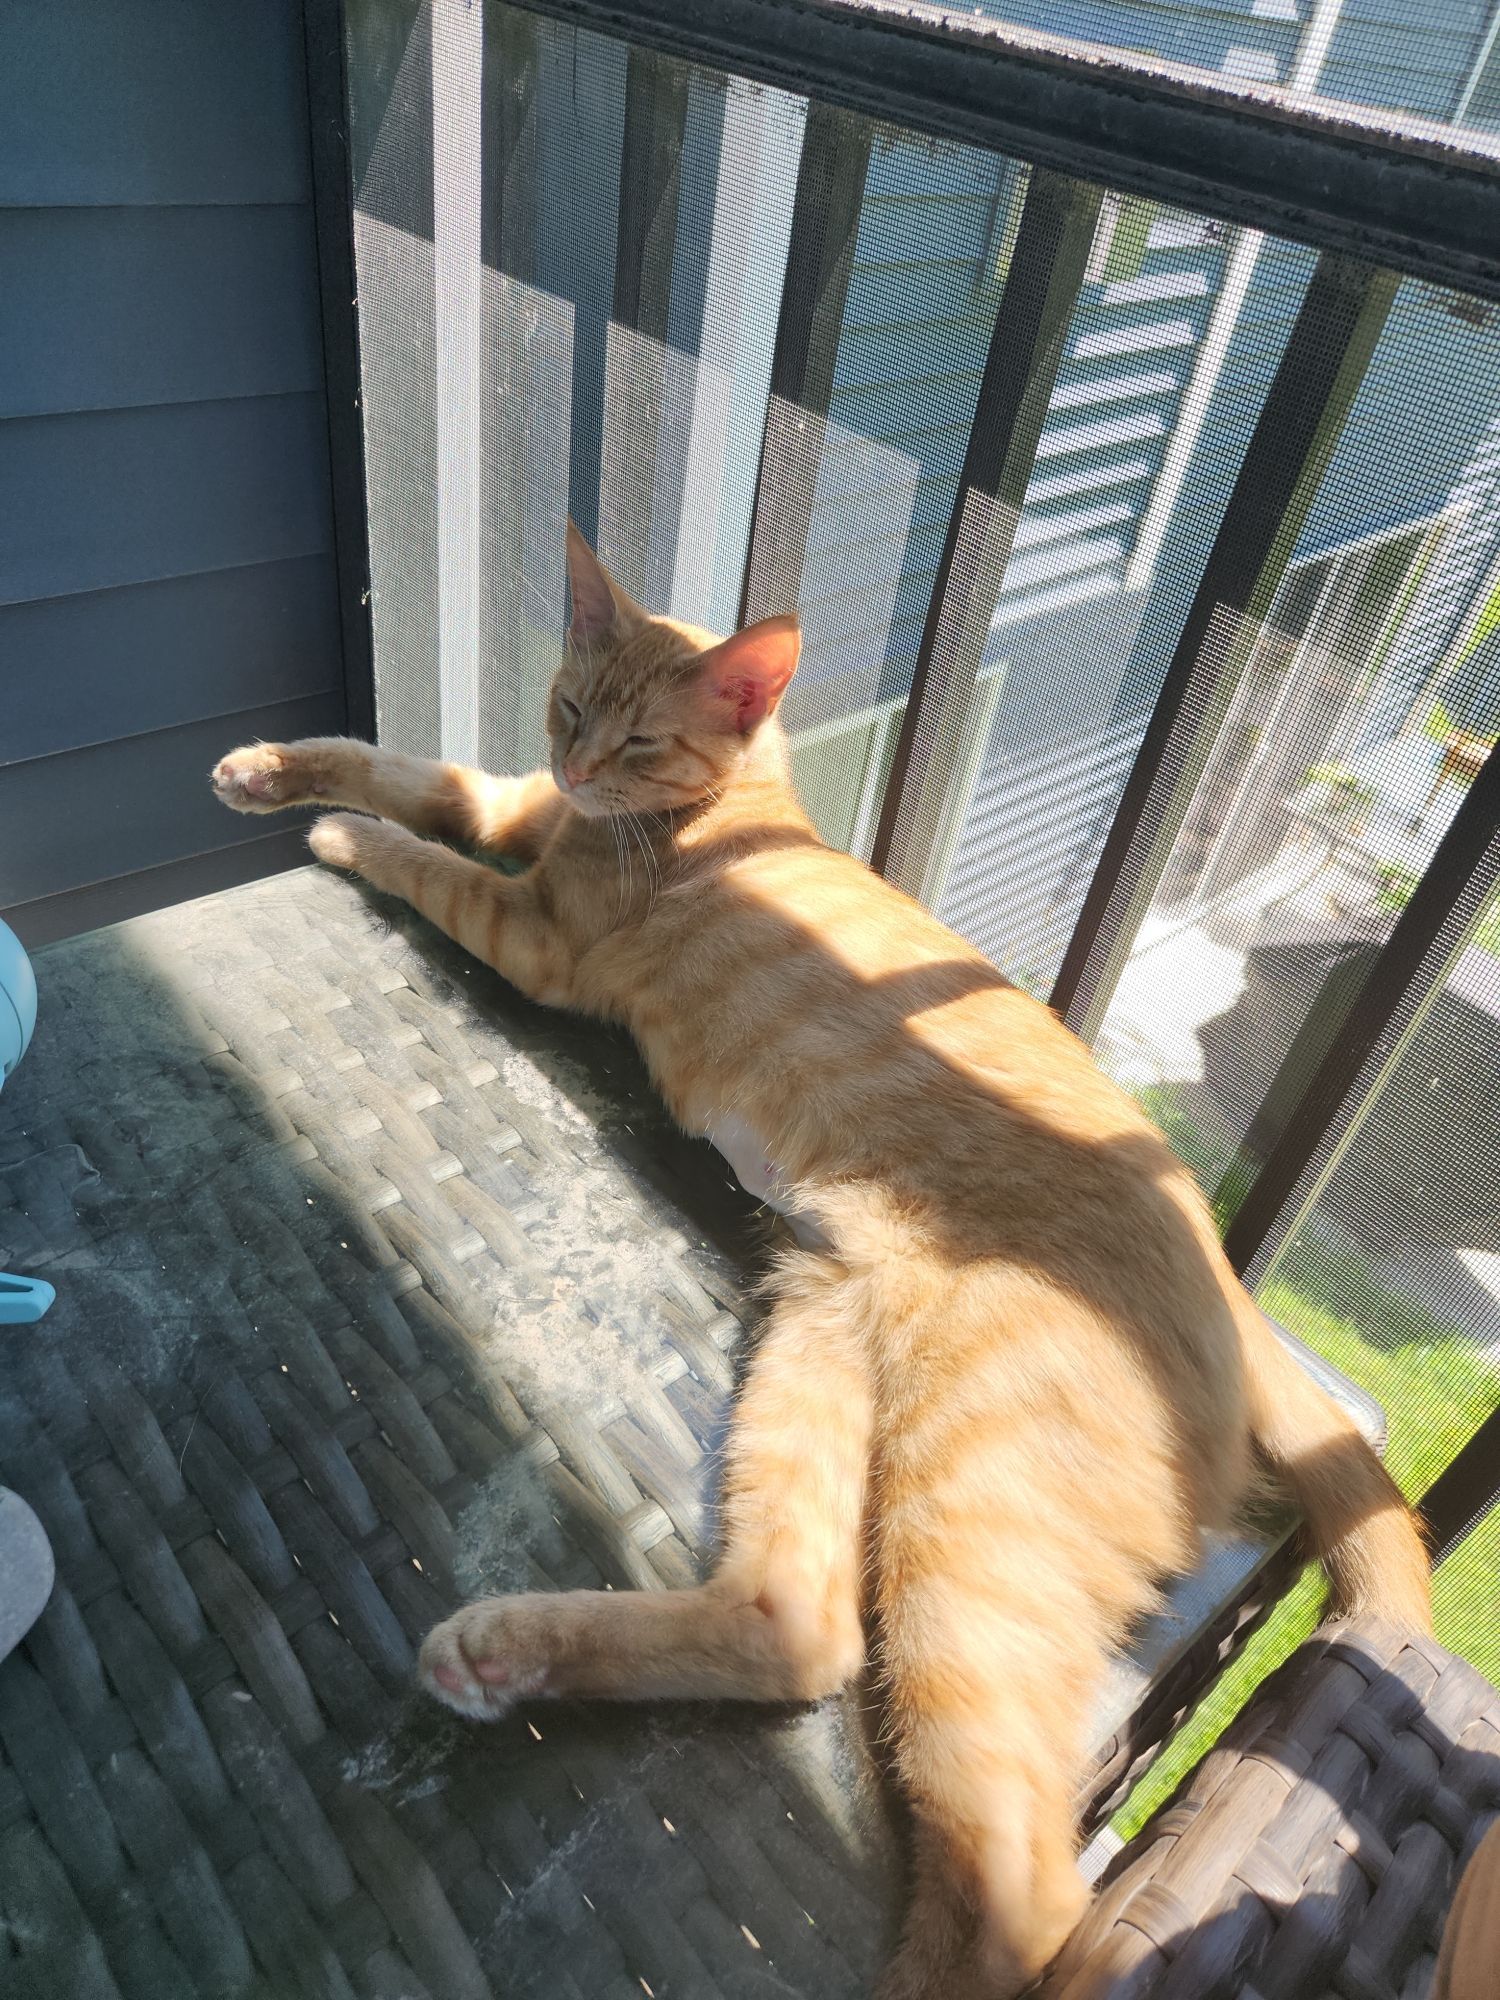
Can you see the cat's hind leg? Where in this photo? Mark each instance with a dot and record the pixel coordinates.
(988, 1665)
(779, 1620)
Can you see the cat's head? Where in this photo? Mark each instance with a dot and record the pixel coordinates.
(647, 715)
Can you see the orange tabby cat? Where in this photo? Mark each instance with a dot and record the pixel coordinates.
(1008, 1377)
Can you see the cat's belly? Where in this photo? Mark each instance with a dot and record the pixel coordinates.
(759, 1175)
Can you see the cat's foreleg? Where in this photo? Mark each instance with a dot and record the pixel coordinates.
(498, 918)
(779, 1620)
(513, 816)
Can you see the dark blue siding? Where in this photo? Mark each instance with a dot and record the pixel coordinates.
(196, 646)
(1409, 434)
(920, 309)
(109, 307)
(1410, 55)
(166, 584)
(1413, 55)
(143, 102)
(113, 813)
(128, 496)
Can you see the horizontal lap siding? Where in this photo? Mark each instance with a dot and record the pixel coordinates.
(217, 642)
(1431, 392)
(1413, 55)
(166, 577)
(93, 501)
(1409, 55)
(1025, 817)
(142, 102)
(114, 824)
(114, 308)
(1083, 656)
(920, 307)
(917, 319)
(1249, 37)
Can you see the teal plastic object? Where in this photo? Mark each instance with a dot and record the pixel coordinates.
(17, 1000)
(22, 1300)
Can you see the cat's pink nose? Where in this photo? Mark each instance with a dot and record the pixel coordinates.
(574, 773)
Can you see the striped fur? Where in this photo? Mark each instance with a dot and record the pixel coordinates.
(982, 1425)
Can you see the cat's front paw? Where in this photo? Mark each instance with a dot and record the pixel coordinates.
(265, 777)
(487, 1657)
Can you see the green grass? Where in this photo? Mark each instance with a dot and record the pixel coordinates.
(1289, 1624)
(1434, 1389)
(1190, 1142)
(1466, 1597)
(1484, 624)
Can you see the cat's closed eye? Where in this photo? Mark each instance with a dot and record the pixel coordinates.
(570, 708)
(642, 742)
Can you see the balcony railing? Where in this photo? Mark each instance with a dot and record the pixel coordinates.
(1126, 434)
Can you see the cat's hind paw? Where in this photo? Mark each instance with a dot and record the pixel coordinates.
(486, 1658)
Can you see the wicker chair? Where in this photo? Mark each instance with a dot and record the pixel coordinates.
(1316, 1849)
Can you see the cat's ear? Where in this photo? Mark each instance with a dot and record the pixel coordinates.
(599, 604)
(741, 680)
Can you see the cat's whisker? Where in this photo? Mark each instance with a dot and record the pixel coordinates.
(649, 862)
(627, 863)
(614, 834)
(629, 860)
(656, 859)
(653, 877)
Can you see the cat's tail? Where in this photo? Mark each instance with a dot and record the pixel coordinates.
(1359, 1525)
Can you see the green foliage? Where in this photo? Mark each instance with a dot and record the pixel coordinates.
(1345, 794)
(1434, 1385)
(1487, 622)
(1396, 885)
(1439, 725)
(1288, 1625)
(1164, 1105)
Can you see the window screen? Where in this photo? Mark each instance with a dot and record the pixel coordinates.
(1163, 373)
(1149, 567)
(1436, 61)
(1391, 1263)
(1365, 701)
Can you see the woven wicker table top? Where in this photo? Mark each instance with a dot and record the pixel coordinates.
(378, 1287)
